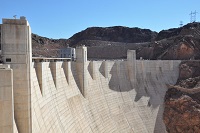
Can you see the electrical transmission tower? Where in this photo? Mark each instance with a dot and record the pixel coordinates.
(193, 16)
(181, 23)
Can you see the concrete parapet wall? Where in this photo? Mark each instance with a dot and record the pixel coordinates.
(109, 104)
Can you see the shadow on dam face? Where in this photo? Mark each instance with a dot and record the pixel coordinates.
(145, 87)
(150, 79)
(149, 88)
(119, 78)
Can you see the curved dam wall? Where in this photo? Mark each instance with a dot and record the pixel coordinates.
(110, 102)
(40, 95)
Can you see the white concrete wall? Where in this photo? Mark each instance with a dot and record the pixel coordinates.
(81, 96)
(81, 59)
(6, 100)
(110, 103)
(17, 46)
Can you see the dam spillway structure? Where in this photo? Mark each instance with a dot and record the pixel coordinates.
(42, 95)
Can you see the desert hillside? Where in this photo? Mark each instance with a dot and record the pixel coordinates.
(101, 42)
(113, 42)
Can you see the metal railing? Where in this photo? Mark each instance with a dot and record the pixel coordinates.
(44, 59)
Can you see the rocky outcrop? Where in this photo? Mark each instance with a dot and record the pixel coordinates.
(178, 44)
(174, 44)
(43, 46)
(185, 90)
(182, 101)
(182, 115)
(188, 29)
(38, 40)
(114, 34)
(103, 43)
(168, 33)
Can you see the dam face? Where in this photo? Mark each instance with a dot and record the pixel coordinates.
(84, 96)
(109, 104)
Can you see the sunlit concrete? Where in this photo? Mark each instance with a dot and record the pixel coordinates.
(17, 51)
(109, 104)
(80, 96)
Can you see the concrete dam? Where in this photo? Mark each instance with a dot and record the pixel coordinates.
(47, 95)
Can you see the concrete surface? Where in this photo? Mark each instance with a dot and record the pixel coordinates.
(82, 96)
(109, 104)
(17, 51)
(6, 99)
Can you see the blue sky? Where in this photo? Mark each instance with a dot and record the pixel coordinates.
(63, 18)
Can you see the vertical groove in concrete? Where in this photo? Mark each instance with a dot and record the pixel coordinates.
(91, 69)
(53, 67)
(105, 69)
(39, 67)
(67, 69)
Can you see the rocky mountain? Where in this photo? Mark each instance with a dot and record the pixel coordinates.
(114, 34)
(178, 43)
(113, 42)
(182, 100)
(101, 42)
(46, 47)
